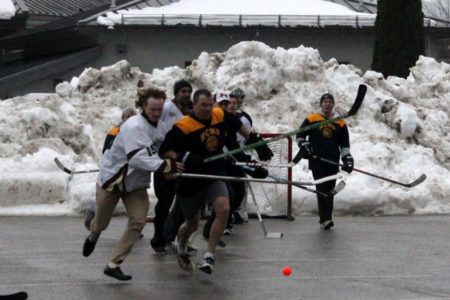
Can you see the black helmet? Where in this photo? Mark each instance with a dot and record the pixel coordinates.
(238, 93)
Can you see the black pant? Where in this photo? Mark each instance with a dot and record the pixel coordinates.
(165, 192)
(325, 204)
(173, 223)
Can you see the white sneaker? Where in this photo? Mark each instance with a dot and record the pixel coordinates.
(207, 265)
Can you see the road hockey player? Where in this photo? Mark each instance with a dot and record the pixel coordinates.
(124, 174)
(194, 138)
(330, 141)
(174, 109)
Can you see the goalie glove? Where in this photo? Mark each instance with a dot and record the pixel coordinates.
(263, 151)
(256, 172)
(348, 163)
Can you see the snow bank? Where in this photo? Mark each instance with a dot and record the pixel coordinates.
(400, 131)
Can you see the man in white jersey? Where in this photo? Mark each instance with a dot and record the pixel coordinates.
(165, 189)
(124, 174)
(112, 133)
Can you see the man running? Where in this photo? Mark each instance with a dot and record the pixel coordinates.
(193, 138)
(124, 174)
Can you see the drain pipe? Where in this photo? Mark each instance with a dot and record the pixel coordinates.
(113, 3)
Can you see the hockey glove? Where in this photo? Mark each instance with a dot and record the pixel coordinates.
(306, 150)
(193, 162)
(263, 151)
(348, 163)
(256, 172)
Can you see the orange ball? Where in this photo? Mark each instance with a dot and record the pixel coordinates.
(287, 271)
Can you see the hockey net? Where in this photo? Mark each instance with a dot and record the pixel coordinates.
(274, 200)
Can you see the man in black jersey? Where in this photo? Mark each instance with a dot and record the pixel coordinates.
(193, 138)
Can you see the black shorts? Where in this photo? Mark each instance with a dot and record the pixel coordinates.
(191, 205)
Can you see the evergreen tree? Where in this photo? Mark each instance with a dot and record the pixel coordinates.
(399, 36)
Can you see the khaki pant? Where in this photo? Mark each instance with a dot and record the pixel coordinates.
(136, 203)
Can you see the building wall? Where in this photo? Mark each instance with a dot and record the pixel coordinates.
(151, 48)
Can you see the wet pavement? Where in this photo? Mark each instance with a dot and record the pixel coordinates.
(361, 258)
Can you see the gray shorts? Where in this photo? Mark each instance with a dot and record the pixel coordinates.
(191, 205)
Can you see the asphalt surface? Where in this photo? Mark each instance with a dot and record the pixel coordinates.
(361, 258)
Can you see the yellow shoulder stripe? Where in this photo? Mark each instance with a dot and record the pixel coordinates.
(187, 124)
(217, 115)
(114, 131)
(317, 117)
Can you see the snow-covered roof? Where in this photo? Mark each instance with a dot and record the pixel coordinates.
(315, 13)
(61, 8)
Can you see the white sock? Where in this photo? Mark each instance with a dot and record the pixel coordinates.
(112, 265)
(208, 254)
(181, 250)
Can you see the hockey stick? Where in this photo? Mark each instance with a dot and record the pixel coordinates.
(267, 235)
(15, 296)
(339, 187)
(262, 164)
(418, 181)
(213, 177)
(245, 179)
(68, 171)
(353, 110)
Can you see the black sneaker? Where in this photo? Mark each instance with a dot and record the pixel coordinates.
(90, 214)
(327, 225)
(184, 261)
(207, 265)
(158, 246)
(237, 218)
(228, 231)
(116, 273)
(88, 247)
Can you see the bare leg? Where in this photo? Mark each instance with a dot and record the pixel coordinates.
(186, 229)
(222, 209)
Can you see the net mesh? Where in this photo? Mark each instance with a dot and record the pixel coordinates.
(274, 200)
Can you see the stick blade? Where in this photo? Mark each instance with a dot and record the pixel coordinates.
(274, 235)
(61, 166)
(417, 181)
(339, 187)
(362, 89)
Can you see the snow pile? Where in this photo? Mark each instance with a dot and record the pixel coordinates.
(400, 131)
(7, 10)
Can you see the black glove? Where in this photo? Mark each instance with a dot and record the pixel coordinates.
(229, 162)
(256, 172)
(169, 166)
(242, 157)
(348, 163)
(193, 163)
(306, 150)
(263, 151)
